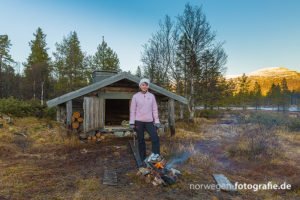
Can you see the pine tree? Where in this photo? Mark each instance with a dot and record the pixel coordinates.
(210, 84)
(37, 68)
(243, 93)
(257, 95)
(105, 58)
(285, 94)
(138, 72)
(70, 66)
(5, 61)
(227, 92)
(274, 95)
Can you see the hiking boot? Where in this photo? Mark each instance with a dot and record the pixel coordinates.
(155, 158)
(150, 157)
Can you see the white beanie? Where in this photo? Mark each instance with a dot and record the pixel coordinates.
(144, 80)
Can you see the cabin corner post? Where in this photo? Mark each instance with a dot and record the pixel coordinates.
(102, 111)
(69, 113)
(171, 116)
(58, 113)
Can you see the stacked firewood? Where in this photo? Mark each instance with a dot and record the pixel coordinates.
(77, 120)
(97, 137)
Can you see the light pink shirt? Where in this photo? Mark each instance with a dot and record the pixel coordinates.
(143, 108)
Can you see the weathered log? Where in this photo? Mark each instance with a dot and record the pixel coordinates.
(69, 109)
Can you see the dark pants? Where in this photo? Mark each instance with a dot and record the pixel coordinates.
(140, 128)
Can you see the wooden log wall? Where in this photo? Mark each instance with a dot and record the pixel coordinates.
(162, 110)
(69, 113)
(93, 108)
(61, 113)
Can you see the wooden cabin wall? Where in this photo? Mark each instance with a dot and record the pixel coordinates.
(93, 113)
(61, 113)
(162, 110)
(65, 111)
(69, 110)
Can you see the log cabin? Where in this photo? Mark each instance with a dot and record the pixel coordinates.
(105, 103)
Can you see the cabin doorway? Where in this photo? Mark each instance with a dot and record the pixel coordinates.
(116, 110)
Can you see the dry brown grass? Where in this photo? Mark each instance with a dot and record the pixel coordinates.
(192, 131)
(255, 141)
(47, 164)
(87, 188)
(25, 145)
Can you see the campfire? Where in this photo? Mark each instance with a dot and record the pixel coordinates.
(158, 173)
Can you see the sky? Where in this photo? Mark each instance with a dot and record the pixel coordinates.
(256, 33)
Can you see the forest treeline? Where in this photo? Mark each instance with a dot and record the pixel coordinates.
(183, 55)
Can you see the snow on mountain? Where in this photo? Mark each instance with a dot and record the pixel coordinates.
(267, 76)
(274, 71)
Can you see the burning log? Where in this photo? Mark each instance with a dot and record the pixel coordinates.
(143, 171)
(159, 173)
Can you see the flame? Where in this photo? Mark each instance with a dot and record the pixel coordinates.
(159, 165)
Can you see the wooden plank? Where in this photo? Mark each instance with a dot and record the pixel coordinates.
(58, 115)
(86, 113)
(84, 116)
(63, 114)
(171, 116)
(110, 177)
(95, 86)
(85, 90)
(101, 112)
(119, 89)
(119, 95)
(69, 112)
(135, 151)
(224, 182)
(93, 113)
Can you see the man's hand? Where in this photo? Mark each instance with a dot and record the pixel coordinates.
(132, 126)
(157, 125)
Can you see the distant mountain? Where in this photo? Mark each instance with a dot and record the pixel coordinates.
(266, 76)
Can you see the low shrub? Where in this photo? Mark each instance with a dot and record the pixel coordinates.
(271, 119)
(255, 142)
(209, 114)
(22, 108)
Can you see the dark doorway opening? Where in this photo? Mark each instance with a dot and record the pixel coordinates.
(116, 110)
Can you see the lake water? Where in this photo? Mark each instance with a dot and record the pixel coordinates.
(290, 109)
